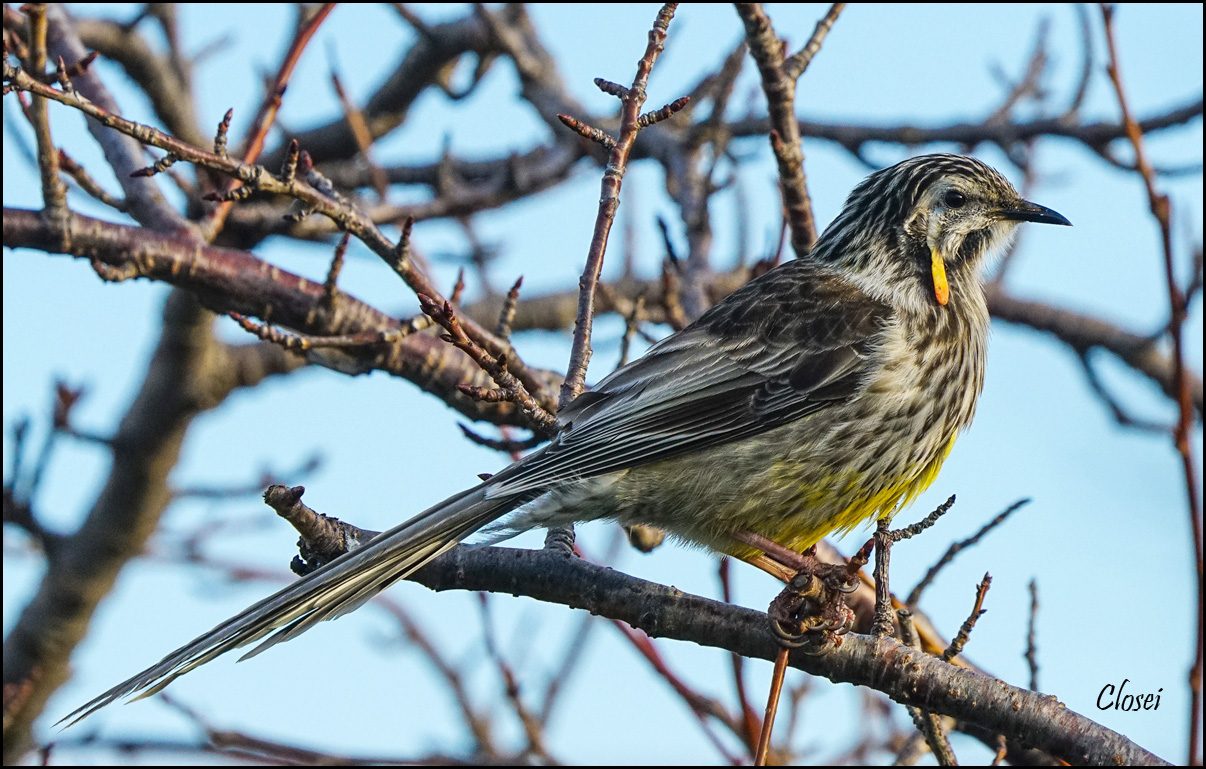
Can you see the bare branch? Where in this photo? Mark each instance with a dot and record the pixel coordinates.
(631, 102)
(1160, 207)
(780, 88)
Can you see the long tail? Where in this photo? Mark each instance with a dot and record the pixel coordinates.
(335, 589)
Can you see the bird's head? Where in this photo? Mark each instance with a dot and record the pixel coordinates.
(919, 231)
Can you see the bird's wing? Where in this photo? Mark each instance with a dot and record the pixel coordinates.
(785, 345)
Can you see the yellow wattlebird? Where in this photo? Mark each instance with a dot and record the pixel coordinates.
(825, 393)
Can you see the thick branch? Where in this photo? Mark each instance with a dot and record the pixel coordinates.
(784, 128)
(907, 676)
(123, 153)
(1084, 332)
(229, 280)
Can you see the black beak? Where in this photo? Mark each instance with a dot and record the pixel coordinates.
(1025, 211)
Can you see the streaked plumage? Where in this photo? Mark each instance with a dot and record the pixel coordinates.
(824, 393)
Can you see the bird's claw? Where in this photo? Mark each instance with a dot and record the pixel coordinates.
(811, 612)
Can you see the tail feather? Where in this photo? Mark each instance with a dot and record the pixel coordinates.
(337, 588)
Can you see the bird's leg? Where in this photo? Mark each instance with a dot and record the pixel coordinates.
(784, 556)
(771, 567)
(811, 610)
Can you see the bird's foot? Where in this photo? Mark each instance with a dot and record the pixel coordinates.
(811, 611)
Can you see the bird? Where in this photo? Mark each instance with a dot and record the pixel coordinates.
(825, 393)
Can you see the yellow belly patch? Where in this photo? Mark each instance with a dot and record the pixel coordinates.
(799, 532)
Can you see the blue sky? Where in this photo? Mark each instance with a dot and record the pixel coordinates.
(1104, 500)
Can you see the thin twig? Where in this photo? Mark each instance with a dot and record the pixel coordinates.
(1087, 64)
(362, 135)
(1160, 207)
(330, 287)
(1030, 84)
(1032, 636)
(508, 446)
(80, 176)
(749, 717)
(266, 115)
(957, 547)
(514, 390)
(54, 192)
(927, 722)
(506, 316)
(570, 662)
(914, 529)
(703, 708)
(961, 638)
(631, 102)
(797, 64)
(1116, 409)
(304, 342)
(533, 727)
(632, 325)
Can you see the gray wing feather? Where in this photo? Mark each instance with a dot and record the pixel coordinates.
(803, 338)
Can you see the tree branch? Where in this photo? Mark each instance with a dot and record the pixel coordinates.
(906, 675)
(229, 280)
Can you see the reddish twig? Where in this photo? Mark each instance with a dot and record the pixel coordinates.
(1160, 207)
(363, 136)
(749, 718)
(772, 707)
(701, 707)
(268, 111)
(631, 101)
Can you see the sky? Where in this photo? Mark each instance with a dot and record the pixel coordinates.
(1107, 503)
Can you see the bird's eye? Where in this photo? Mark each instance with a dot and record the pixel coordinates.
(954, 199)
